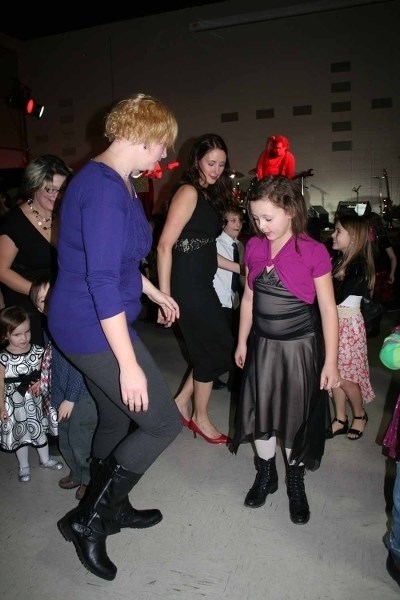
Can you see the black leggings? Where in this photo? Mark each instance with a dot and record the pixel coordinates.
(135, 438)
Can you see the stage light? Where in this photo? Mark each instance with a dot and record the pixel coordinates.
(33, 108)
(27, 104)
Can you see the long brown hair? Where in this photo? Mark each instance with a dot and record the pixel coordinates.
(358, 230)
(220, 193)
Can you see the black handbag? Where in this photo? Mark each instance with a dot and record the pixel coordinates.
(371, 310)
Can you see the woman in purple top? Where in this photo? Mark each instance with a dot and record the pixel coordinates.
(104, 235)
(287, 367)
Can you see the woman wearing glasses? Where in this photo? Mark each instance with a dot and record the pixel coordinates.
(28, 234)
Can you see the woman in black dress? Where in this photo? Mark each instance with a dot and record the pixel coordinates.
(28, 235)
(187, 262)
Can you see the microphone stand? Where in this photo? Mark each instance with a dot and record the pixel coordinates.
(355, 189)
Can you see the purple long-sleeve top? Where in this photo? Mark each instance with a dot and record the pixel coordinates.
(297, 267)
(104, 234)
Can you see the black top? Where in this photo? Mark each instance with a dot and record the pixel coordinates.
(381, 257)
(354, 283)
(36, 257)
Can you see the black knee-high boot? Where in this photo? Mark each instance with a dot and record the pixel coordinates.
(266, 482)
(298, 503)
(127, 516)
(88, 525)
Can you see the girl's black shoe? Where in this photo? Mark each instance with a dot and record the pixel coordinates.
(343, 429)
(356, 433)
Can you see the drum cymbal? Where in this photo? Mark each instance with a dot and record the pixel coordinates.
(252, 172)
(235, 174)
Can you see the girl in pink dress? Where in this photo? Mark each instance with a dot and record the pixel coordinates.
(354, 277)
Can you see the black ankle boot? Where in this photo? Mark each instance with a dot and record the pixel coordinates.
(266, 482)
(127, 516)
(88, 525)
(298, 504)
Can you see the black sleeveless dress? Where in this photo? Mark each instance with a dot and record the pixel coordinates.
(280, 393)
(36, 257)
(203, 325)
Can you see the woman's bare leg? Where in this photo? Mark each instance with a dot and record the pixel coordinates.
(184, 397)
(202, 394)
(353, 393)
(339, 401)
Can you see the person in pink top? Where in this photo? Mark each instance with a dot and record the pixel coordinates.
(276, 159)
(287, 343)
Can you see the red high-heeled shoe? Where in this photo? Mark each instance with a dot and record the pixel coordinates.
(222, 439)
(185, 422)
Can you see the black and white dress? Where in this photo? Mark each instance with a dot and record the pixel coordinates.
(27, 424)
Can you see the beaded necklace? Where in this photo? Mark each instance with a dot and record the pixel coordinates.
(40, 220)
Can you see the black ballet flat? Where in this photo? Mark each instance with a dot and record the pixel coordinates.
(343, 429)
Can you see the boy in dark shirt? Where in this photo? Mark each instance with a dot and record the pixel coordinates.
(76, 410)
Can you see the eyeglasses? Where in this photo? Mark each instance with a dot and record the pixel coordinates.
(53, 190)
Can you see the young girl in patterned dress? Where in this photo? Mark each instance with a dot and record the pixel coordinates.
(22, 421)
(354, 277)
